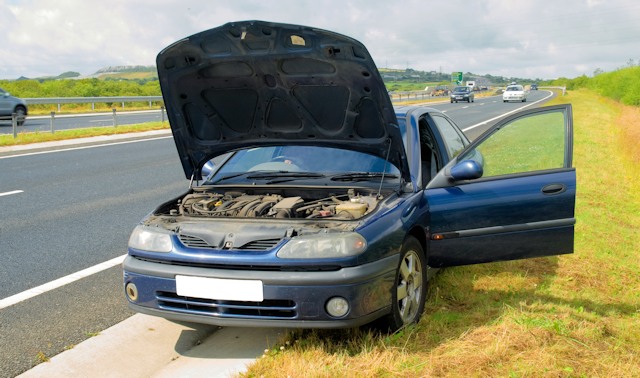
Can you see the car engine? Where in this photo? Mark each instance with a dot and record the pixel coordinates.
(242, 204)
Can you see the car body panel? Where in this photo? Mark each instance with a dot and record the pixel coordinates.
(453, 200)
(11, 104)
(259, 83)
(520, 214)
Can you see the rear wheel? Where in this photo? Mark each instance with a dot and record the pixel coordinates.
(21, 115)
(410, 289)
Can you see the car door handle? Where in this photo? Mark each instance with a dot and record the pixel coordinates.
(554, 189)
(408, 211)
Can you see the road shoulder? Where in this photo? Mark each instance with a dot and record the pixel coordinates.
(148, 346)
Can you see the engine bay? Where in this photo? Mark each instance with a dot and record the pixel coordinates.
(290, 203)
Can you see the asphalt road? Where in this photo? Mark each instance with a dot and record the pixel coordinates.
(67, 210)
(76, 209)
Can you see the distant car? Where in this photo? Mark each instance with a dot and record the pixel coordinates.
(514, 93)
(10, 104)
(441, 90)
(534, 87)
(462, 94)
(314, 203)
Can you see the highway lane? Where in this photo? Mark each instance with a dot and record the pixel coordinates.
(73, 209)
(487, 109)
(75, 121)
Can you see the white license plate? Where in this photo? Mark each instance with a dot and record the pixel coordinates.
(218, 288)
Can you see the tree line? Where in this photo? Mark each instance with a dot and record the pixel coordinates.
(81, 88)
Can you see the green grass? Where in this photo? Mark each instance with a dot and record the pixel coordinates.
(43, 136)
(569, 316)
(525, 145)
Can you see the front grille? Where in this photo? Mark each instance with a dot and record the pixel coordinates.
(267, 309)
(256, 245)
(266, 268)
(260, 245)
(194, 242)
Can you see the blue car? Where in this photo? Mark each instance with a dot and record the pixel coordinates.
(313, 203)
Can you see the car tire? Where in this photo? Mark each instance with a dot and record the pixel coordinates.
(21, 115)
(452, 101)
(524, 100)
(410, 287)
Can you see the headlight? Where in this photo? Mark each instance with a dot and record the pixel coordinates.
(322, 246)
(150, 239)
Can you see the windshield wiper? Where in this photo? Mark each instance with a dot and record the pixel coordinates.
(362, 176)
(223, 178)
(284, 174)
(286, 177)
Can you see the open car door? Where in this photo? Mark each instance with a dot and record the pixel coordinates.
(509, 195)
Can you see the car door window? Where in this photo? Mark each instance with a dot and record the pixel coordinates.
(533, 143)
(454, 142)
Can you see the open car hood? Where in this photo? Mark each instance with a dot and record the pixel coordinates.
(256, 83)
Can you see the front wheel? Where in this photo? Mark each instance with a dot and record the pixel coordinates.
(410, 289)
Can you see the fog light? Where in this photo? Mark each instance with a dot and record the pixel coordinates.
(132, 292)
(337, 307)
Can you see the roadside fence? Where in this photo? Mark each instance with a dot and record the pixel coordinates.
(15, 121)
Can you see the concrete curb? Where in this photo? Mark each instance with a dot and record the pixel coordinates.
(147, 346)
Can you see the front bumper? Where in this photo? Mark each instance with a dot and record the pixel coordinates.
(291, 299)
(514, 98)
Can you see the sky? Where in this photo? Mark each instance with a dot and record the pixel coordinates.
(536, 39)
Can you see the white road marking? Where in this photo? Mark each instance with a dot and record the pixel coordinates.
(85, 147)
(11, 192)
(505, 114)
(17, 298)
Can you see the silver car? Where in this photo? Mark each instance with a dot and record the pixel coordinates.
(514, 93)
(9, 105)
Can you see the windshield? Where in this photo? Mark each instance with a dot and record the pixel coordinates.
(305, 161)
(461, 89)
(514, 88)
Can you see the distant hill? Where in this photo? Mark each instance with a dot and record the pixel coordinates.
(64, 75)
(126, 73)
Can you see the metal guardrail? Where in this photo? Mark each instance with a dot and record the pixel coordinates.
(92, 100)
(15, 121)
(564, 89)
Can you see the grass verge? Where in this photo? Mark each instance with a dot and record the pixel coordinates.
(45, 136)
(570, 316)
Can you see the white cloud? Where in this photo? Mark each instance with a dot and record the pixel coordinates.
(537, 39)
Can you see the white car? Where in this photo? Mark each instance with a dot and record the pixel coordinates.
(514, 93)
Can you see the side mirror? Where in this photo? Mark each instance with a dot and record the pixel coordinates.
(208, 168)
(466, 170)
(6, 94)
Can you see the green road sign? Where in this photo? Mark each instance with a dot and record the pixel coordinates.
(456, 77)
